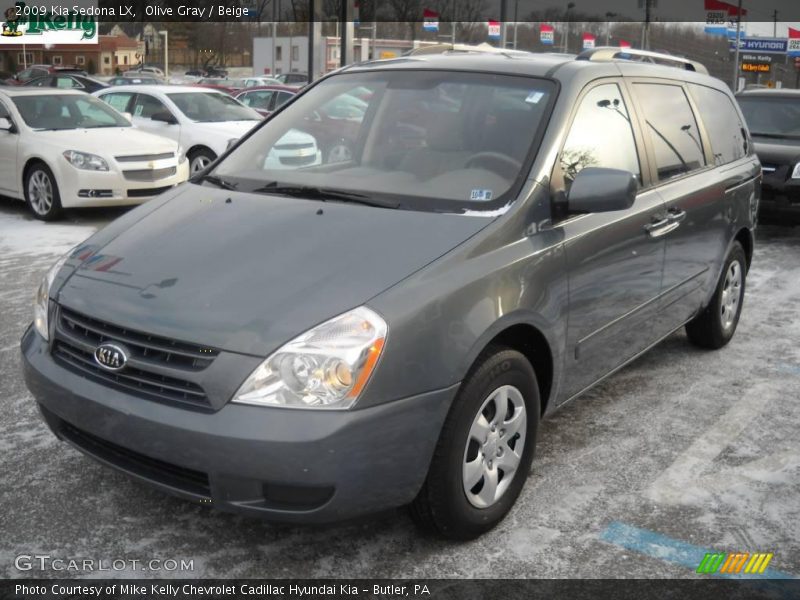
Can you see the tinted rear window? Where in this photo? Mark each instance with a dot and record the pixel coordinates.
(723, 125)
(773, 116)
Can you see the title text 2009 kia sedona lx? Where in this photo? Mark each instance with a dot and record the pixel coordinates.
(486, 236)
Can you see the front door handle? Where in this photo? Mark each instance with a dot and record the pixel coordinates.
(661, 227)
(676, 215)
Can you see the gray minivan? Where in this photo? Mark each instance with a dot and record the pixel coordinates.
(313, 341)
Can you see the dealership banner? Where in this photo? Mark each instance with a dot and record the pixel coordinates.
(430, 20)
(494, 30)
(36, 22)
(793, 43)
(546, 34)
(588, 41)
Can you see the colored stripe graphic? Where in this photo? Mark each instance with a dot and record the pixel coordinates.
(681, 553)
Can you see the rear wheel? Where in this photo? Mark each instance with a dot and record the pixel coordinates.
(41, 193)
(485, 449)
(200, 159)
(714, 327)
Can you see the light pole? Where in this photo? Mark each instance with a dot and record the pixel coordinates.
(609, 16)
(565, 45)
(165, 33)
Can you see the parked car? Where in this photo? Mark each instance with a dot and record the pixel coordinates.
(145, 70)
(63, 148)
(216, 72)
(773, 117)
(317, 343)
(266, 99)
(35, 71)
(83, 83)
(213, 83)
(194, 74)
(260, 81)
(203, 121)
(134, 80)
(292, 78)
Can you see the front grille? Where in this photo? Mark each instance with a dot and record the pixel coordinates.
(146, 193)
(144, 157)
(181, 478)
(77, 336)
(149, 174)
(294, 146)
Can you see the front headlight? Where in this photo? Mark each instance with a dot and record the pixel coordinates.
(326, 367)
(42, 298)
(85, 161)
(796, 171)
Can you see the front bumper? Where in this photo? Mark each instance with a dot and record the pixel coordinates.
(282, 464)
(110, 188)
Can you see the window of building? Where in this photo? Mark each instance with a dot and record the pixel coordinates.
(601, 135)
(723, 125)
(671, 126)
(278, 52)
(295, 52)
(26, 58)
(80, 60)
(106, 60)
(56, 60)
(125, 60)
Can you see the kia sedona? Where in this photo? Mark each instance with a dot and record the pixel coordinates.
(773, 117)
(65, 149)
(388, 328)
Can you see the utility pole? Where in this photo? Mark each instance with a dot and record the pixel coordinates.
(736, 51)
(646, 25)
(565, 41)
(503, 24)
(775, 23)
(453, 28)
(516, 14)
(609, 16)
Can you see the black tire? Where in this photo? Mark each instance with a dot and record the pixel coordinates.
(442, 505)
(37, 177)
(708, 329)
(200, 159)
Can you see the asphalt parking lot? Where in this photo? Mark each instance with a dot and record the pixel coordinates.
(683, 452)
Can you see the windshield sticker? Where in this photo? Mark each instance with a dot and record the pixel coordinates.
(534, 97)
(482, 195)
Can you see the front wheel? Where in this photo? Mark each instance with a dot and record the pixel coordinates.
(715, 326)
(41, 193)
(485, 449)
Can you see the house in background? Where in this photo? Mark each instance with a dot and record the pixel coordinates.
(104, 58)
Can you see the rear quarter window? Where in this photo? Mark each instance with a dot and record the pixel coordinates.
(723, 125)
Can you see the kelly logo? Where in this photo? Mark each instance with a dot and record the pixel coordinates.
(76, 25)
(734, 563)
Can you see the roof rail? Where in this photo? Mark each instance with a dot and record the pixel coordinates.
(483, 48)
(607, 53)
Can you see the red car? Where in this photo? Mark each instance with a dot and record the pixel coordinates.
(266, 99)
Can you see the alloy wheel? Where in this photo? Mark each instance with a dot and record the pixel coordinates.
(731, 295)
(40, 192)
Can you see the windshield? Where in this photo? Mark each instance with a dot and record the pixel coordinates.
(771, 116)
(429, 140)
(73, 111)
(212, 107)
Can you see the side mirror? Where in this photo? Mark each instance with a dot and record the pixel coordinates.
(128, 116)
(6, 125)
(597, 189)
(165, 117)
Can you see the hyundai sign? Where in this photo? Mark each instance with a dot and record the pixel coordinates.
(767, 45)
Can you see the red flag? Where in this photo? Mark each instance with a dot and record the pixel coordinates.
(794, 34)
(719, 5)
(624, 45)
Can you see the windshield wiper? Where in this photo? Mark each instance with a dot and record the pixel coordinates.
(324, 194)
(217, 181)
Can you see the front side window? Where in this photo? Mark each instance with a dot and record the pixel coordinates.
(118, 100)
(212, 107)
(670, 124)
(428, 140)
(71, 111)
(601, 135)
(723, 125)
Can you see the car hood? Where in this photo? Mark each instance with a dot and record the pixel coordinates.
(777, 151)
(247, 273)
(113, 141)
